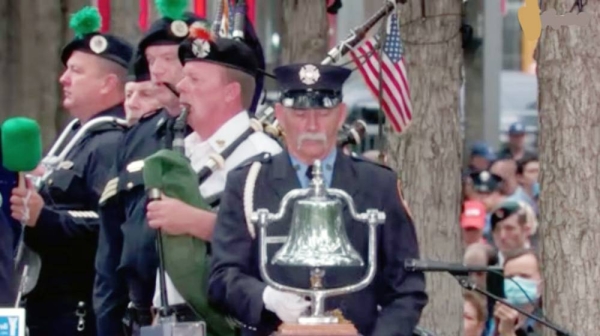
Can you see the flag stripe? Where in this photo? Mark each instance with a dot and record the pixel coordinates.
(372, 82)
(387, 92)
(371, 85)
(389, 64)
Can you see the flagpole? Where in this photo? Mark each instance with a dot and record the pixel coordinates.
(382, 37)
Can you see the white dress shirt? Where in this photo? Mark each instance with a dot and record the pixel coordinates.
(198, 151)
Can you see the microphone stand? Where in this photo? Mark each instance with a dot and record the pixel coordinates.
(467, 284)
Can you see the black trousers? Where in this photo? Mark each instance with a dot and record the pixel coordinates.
(60, 319)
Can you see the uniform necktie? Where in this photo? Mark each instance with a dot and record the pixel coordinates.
(309, 172)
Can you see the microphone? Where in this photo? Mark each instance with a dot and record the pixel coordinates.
(416, 265)
(21, 144)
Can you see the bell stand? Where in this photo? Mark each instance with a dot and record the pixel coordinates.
(317, 323)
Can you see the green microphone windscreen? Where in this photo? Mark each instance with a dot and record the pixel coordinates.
(21, 144)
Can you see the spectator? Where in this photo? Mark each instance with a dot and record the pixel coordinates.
(509, 229)
(481, 157)
(507, 170)
(515, 148)
(486, 188)
(528, 171)
(522, 288)
(474, 314)
(472, 222)
(478, 254)
(531, 224)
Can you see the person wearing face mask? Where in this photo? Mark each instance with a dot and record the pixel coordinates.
(522, 288)
(127, 260)
(311, 111)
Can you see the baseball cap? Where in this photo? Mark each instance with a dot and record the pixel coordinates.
(516, 128)
(473, 215)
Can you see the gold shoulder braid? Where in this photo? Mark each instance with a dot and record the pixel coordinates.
(406, 208)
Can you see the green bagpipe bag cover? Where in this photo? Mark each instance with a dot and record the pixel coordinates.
(185, 257)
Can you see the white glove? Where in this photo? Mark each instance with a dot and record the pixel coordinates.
(287, 306)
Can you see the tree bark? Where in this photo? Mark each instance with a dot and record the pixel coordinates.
(569, 82)
(428, 154)
(32, 34)
(304, 31)
(124, 20)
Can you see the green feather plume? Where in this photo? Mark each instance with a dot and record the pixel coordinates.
(86, 21)
(172, 9)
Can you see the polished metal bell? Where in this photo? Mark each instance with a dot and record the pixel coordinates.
(317, 236)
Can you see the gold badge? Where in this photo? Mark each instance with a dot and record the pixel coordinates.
(200, 48)
(179, 28)
(98, 44)
(135, 166)
(404, 204)
(309, 74)
(66, 165)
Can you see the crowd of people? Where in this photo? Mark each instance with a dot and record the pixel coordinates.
(499, 227)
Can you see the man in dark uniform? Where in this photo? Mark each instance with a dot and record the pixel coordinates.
(61, 219)
(127, 261)
(311, 112)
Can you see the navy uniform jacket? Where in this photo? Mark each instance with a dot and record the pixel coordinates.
(126, 261)
(7, 264)
(235, 281)
(66, 233)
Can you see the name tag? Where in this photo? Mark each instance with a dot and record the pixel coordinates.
(12, 322)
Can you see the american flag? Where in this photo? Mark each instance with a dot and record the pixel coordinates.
(396, 92)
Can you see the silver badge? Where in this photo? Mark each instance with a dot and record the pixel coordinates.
(98, 44)
(200, 48)
(179, 28)
(484, 176)
(309, 74)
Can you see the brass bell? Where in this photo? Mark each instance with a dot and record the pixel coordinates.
(317, 236)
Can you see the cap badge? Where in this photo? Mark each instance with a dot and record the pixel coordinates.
(309, 74)
(98, 44)
(200, 48)
(179, 28)
(484, 176)
(500, 214)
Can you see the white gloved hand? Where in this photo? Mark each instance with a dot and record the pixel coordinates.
(287, 306)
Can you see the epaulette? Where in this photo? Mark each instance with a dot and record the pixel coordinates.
(264, 157)
(109, 126)
(359, 158)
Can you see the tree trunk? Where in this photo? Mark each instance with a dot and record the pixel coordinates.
(124, 20)
(428, 155)
(569, 82)
(473, 124)
(32, 34)
(304, 31)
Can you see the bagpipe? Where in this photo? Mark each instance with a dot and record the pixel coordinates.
(168, 172)
(351, 134)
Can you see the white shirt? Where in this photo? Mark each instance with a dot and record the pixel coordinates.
(198, 152)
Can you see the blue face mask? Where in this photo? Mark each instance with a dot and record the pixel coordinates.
(536, 190)
(520, 291)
